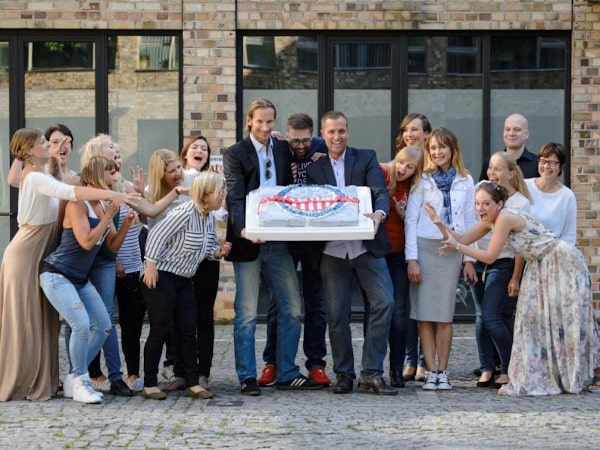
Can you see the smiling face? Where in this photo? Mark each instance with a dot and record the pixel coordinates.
(173, 176)
(261, 124)
(549, 167)
(440, 154)
(413, 133)
(516, 132)
(499, 172)
(197, 155)
(300, 141)
(335, 132)
(486, 207)
(405, 168)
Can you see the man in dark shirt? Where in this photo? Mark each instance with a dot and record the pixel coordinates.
(516, 132)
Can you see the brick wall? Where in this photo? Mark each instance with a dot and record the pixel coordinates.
(209, 73)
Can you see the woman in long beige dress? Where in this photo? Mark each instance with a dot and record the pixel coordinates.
(29, 326)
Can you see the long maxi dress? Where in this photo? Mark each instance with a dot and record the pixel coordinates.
(556, 344)
(29, 325)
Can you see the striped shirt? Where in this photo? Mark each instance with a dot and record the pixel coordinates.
(180, 241)
(129, 252)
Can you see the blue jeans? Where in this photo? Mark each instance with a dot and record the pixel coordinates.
(171, 306)
(275, 263)
(83, 309)
(492, 297)
(374, 279)
(103, 276)
(398, 270)
(315, 322)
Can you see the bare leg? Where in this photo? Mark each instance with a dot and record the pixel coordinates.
(443, 343)
(428, 343)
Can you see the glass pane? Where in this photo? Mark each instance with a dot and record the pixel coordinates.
(528, 77)
(362, 91)
(143, 97)
(445, 83)
(291, 83)
(4, 148)
(60, 94)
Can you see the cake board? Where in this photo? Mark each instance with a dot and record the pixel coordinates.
(365, 230)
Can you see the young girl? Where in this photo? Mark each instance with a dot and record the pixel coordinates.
(65, 280)
(447, 185)
(497, 286)
(556, 346)
(401, 177)
(174, 248)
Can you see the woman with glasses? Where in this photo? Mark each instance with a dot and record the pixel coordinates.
(556, 345)
(553, 203)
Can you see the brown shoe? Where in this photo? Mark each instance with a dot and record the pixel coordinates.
(160, 395)
(421, 373)
(174, 384)
(409, 373)
(201, 394)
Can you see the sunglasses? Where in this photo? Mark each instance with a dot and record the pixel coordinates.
(268, 173)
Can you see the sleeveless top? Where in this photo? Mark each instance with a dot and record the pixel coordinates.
(70, 259)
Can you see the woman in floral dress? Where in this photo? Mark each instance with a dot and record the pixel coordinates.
(556, 344)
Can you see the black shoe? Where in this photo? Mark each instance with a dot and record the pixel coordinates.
(344, 384)
(298, 384)
(121, 389)
(396, 378)
(250, 387)
(375, 385)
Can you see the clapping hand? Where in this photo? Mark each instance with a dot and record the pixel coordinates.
(400, 205)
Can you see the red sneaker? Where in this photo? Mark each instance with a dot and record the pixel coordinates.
(318, 375)
(269, 374)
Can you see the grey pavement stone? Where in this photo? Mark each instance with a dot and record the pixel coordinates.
(466, 417)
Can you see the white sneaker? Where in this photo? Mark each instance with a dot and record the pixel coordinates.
(431, 382)
(68, 386)
(443, 383)
(83, 391)
(168, 373)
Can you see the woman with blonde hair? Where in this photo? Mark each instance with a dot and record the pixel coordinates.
(29, 325)
(175, 247)
(64, 277)
(401, 177)
(497, 285)
(447, 185)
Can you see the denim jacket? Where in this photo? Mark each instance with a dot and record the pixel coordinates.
(417, 222)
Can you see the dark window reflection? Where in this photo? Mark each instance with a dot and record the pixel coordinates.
(59, 55)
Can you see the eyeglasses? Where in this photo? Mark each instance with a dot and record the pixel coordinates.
(548, 162)
(268, 165)
(296, 142)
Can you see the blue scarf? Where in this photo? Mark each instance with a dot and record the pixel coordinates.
(443, 180)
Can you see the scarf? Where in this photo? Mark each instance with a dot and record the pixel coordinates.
(443, 180)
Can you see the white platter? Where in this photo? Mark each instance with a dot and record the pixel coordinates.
(365, 230)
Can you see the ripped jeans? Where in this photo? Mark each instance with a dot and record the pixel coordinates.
(83, 309)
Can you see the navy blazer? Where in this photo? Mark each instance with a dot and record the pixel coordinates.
(242, 174)
(361, 169)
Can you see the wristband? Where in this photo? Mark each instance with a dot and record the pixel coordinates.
(458, 246)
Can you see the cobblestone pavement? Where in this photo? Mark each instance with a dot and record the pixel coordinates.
(466, 417)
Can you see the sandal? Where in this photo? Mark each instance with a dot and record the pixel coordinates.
(595, 385)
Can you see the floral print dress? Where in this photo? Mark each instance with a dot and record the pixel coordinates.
(556, 344)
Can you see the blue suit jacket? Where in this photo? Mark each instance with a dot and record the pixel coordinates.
(242, 173)
(361, 169)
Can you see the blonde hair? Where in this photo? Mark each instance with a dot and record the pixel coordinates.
(159, 161)
(23, 140)
(92, 174)
(446, 138)
(517, 180)
(206, 182)
(409, 152)
(93, 147)
(261, 103)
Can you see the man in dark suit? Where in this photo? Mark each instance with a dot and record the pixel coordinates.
(258, 161)
(345, 166)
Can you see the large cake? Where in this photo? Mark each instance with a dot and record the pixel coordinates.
(312, 205)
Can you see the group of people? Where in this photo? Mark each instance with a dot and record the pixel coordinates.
(511, 239)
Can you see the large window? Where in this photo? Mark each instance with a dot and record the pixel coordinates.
(467, 82)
